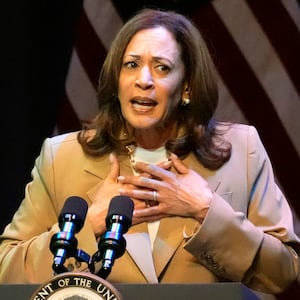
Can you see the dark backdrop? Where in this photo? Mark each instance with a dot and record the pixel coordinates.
(36, 43)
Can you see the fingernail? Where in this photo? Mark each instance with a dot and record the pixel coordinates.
(167, 164)
(111, 157)
(173, 155)
(120, 178)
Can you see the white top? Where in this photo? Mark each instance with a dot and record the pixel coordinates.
(154, 156)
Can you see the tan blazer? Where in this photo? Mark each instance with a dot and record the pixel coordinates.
(243, 238)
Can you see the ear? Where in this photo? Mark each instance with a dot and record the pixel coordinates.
(185, 91)
(185, 98)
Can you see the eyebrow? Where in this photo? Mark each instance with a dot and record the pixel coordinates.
(154, 57)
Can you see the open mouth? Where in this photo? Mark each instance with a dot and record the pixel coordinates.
(143, 104)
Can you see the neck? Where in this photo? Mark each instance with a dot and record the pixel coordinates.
(152, 138)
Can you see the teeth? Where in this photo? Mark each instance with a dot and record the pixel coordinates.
(145, 103)
(141, 107)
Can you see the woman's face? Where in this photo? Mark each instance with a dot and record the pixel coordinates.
(151, 78)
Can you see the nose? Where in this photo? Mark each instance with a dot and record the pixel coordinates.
(144, 79)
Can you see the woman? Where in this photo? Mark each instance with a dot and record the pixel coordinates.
(207, 207)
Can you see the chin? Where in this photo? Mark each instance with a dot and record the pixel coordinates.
(143, 125)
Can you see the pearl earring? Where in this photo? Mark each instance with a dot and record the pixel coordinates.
(185, 101)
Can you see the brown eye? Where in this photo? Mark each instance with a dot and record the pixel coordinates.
(130, 65)
(163, 68)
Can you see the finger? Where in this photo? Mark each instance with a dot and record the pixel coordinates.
(138, 204)
(144, 174)
(165, 164)
(114, 167)
(180, 167)
(142, 182)
(148, 214)
(140, 194)
(155, 171)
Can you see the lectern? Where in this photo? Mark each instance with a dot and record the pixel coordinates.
(212, 291)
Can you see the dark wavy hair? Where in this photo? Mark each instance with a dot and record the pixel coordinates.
(197, 129)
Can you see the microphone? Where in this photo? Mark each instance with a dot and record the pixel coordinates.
(112, 244)
(64, 244)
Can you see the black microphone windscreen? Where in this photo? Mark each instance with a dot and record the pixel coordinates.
(121, 205)
(76, 206)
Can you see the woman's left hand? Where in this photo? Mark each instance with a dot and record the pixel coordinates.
(184, 193)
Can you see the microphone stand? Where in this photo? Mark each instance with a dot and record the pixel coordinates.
(64, 246)
(111, 246)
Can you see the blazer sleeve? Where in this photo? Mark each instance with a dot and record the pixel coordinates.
(25, 256)
(255, 247)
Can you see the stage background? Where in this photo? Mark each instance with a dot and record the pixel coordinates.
(53, 51)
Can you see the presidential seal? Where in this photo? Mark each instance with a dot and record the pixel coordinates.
(76, 286)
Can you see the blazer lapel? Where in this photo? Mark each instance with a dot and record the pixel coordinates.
(212, 177)
(171, 234)
(138, 246)
(100, 167)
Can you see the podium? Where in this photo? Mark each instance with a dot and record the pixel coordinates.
(211, 291)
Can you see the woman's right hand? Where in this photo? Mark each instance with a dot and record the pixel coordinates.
(97, 212)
